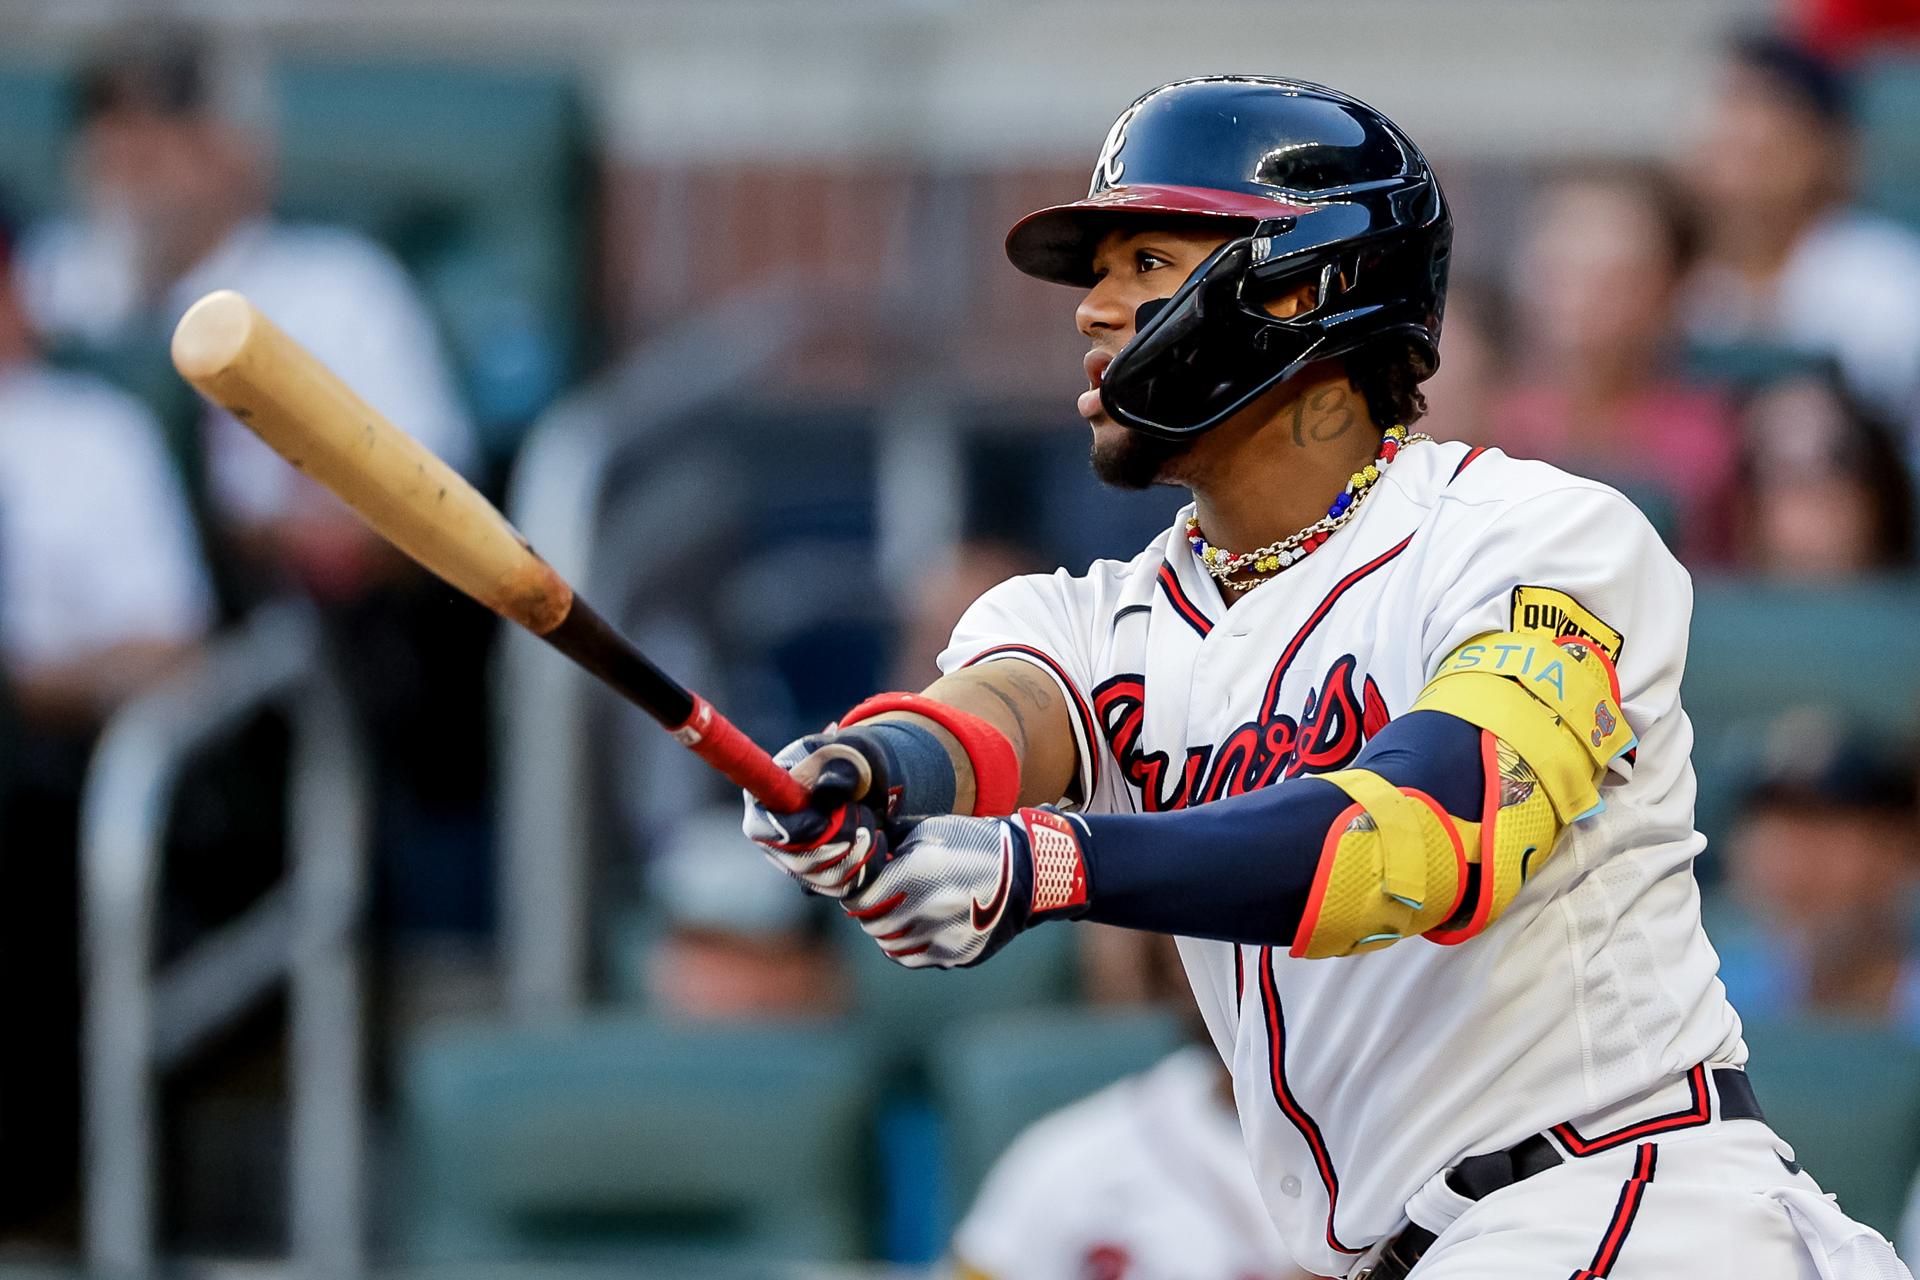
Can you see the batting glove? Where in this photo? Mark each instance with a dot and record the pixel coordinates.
(828, 847)
(956, 889)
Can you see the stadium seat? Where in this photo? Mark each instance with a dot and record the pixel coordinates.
(1761, 649)
(1847, 1096)
(1889, 106)
(478, 177)
(636, 1139)
(993, 1076)
(1749, 365)
(33, 119)
(905, 1011)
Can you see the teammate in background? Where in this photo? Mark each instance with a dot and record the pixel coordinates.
(175, 184)
(1386, 732)
(102, 590)
(1784, 262)
(1145, 1180)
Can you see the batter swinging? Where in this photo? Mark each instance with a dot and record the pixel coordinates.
(1386, 732)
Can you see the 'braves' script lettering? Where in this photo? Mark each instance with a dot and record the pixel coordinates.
(1328, 733)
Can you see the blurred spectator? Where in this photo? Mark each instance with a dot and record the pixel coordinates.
(1460, 394)
(101, 580)
(1823, 870)
(172, 163)
(1824, 494)
(737, 940)
(1784, 261)
(102, 588)
(1145, 1180)
(1601, 252)
(175, 183)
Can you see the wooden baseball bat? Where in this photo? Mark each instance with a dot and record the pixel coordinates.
(246, 364)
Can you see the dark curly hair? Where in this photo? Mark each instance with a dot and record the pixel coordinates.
(1388, 375)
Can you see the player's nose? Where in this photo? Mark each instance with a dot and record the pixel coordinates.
(1103, 311)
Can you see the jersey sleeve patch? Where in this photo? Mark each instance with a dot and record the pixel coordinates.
(1545, 611)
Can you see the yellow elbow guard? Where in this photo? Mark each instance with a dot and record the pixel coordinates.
(1393, 866)
(1550, 720)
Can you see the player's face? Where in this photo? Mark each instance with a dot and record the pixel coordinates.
(1133, 266)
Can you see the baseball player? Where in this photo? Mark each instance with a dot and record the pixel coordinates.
(1144, 1180)
(1386, 732)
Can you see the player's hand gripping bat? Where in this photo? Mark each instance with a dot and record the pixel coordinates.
(247, 365)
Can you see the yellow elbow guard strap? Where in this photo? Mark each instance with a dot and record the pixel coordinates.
(1396, 864)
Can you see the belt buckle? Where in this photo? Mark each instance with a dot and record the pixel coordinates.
(1370, 1262)
(1383, 1261)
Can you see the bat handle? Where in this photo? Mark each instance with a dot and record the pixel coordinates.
(713, 738)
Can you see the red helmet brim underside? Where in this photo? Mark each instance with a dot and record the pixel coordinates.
(1057, 243)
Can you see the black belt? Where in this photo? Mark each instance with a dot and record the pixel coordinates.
(1480, 1176)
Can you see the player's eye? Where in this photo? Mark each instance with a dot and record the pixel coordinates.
(1146, 260)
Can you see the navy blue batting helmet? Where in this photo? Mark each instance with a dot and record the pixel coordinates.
(1314, 186)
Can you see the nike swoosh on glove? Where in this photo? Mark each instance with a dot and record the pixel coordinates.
(826, 849)
(958, 889)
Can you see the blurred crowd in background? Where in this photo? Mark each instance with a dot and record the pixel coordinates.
(1726, 328)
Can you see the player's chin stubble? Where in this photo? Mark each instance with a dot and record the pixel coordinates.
(1127, 459)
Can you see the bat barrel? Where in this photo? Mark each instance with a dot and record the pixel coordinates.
(238, 358)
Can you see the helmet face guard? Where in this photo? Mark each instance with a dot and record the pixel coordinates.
(1204, 354)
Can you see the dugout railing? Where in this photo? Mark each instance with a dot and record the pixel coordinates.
(145, 1017)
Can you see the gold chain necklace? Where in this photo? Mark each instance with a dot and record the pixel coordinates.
(1269, 560)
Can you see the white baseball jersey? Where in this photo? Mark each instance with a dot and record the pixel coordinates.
(1589, 1001)
(1145, 1180)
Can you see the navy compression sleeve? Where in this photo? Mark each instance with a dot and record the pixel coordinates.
(1240, 869)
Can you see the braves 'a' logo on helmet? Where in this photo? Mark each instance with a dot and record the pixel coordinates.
(1110, 168)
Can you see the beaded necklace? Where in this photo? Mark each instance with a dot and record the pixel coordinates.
(1295, 547)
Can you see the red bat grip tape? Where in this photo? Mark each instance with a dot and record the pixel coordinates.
(712, 737)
